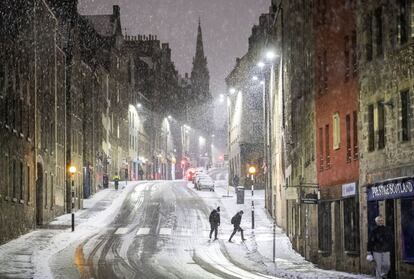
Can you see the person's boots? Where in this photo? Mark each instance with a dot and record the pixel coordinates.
(242, 236)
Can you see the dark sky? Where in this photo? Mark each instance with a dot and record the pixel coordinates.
(226, 27)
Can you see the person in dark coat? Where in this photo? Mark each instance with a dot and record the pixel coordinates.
(214, 220)
(235, 181)
(379, 247)
(236, 220)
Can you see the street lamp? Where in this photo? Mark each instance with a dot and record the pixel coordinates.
(139, 105)
(252, 172)
(270, 55)
(169, 117)
(232, 91)
(255, 78)
(72, 171)
(261, 64)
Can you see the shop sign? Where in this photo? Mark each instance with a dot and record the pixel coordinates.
(348, 190)
(392, 189)
(291, 193)
(311, 198)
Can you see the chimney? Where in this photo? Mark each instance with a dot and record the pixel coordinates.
(186, 75)
(116, 12)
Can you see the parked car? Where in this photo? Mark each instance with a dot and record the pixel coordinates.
(205, 182)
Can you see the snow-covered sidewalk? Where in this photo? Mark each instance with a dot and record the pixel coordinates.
(28, 256)
(256, 253)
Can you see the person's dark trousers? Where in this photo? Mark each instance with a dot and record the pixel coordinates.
(214, 228)
(234, 232)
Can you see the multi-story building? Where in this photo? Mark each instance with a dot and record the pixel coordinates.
(245, 110)
(385, 33)
(65, 88)
(336, 118)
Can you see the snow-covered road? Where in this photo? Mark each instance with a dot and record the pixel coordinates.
(155, 229)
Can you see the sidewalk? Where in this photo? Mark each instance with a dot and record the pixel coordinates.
(256, 253)
(28, 256)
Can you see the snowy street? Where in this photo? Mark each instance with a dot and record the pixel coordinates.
(157, 229)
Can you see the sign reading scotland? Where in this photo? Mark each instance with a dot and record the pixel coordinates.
(392, 189)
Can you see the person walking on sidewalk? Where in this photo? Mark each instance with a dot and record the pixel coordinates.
(380, 244)
(116, 179)
(236, 220)
(214, 220)
(235, 181)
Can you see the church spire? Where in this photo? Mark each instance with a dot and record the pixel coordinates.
(199, 55)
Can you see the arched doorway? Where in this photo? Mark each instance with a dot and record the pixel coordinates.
(39, 195)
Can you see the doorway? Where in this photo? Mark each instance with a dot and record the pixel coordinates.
(39, 195)
(390, 222)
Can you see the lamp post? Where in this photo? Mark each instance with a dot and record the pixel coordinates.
(270, 56)
(72, 171)
(252, 172)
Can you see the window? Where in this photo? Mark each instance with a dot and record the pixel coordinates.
(368, 28)
(52, 194)
(21, 180)
(320, 76)
(371, 134)
(13, 176)
(354, 55)
(321, 149)
(325, 70)
(327, 159)
(381, 125)
(324, 227)
(378, 32)
(346, 58)
(45, 190)
(407, 227)
(405, 115)
(348, 138)
(28, 183)
(403, 21)
(336, 131)
(351, 224)
(355, 131)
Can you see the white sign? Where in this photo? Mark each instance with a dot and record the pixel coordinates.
(291, 193)
(348, 190)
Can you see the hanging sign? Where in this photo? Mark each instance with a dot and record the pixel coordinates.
(392, 189)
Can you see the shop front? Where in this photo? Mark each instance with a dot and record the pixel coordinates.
(394, 200)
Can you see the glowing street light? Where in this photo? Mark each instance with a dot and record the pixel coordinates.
(169, 117)
(270, 55)
(72, 171)
(252, 172)
(261, 64)
(139, 105)
(232, 91)
(255, 78)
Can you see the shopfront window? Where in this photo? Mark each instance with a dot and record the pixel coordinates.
(325, 227)
(351, 225)
(407, 224)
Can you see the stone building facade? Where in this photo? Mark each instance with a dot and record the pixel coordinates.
(245, 110)
(66, 83)
(385, 33)
(294, 184)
